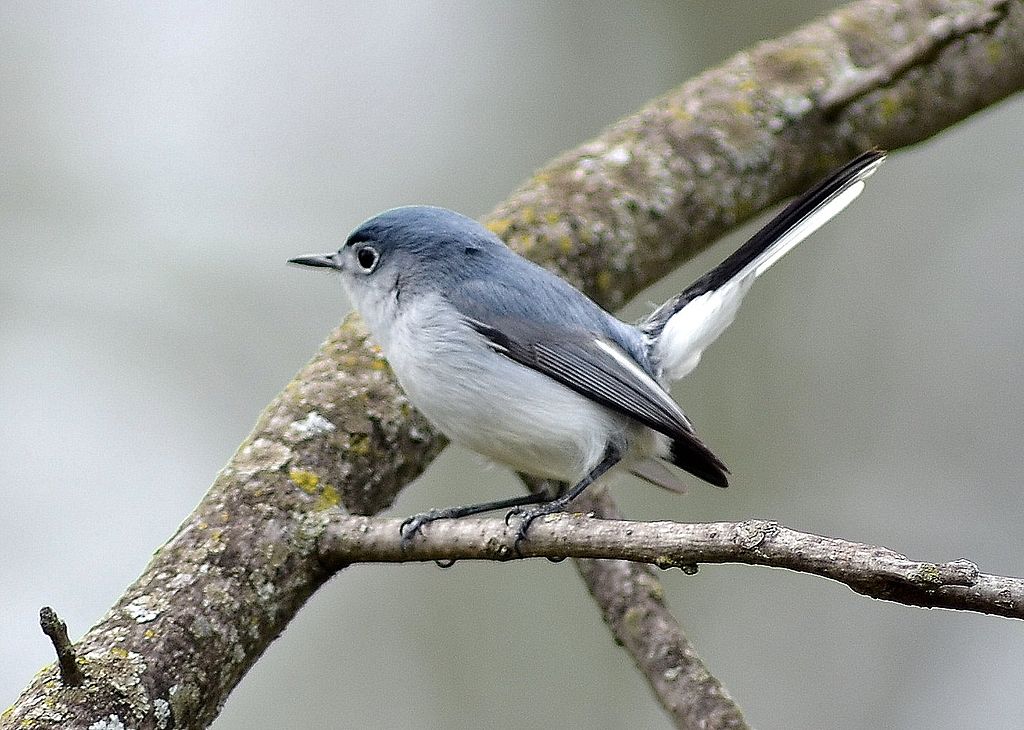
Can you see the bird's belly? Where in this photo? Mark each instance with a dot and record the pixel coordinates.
(515, 416)
(503, 410)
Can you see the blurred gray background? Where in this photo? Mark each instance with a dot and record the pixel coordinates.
(160, 163)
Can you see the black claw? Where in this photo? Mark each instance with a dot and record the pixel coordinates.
(445, 564)
(410, 527)
(526, 519)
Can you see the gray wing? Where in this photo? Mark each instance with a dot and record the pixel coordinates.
(592, 366)
(596, 367)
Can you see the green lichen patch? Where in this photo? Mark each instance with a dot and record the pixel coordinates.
(928, 575)
(664, 562)
(994, 51)
(307, 481)
(499, 226)
(327, 496)
(632, 620)
(359, 444)
(889, 106)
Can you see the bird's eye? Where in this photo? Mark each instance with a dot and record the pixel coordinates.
(367, 257)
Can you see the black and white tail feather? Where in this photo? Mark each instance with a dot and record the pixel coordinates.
(679, 330)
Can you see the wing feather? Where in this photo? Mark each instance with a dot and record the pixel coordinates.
(598, 368)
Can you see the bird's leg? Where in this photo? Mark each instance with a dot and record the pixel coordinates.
(612, 456)
(414, 524)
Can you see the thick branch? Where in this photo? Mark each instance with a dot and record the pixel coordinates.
(877, 572)
(632, 603)
(613, 216)
(940, 32)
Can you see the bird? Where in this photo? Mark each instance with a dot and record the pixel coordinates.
(513, 362)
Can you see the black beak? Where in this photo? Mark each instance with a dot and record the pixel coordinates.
(325, 261)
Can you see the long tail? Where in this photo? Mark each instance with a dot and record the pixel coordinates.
(680, 329)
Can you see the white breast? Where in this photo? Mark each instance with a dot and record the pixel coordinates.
(495, 406)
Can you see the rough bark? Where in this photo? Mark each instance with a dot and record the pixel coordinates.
(612, 216)
(873, 571)
(632, 603)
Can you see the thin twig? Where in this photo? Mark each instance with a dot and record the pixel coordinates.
(873, 571)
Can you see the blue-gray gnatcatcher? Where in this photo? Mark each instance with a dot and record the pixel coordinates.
(513, 362)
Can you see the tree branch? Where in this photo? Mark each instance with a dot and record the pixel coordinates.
(612, 216)
(876, 572)
(939, 32)
(632, 603)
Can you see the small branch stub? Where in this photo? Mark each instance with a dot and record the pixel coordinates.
(67, 660)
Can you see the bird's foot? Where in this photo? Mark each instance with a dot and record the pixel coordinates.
(527, 515)
(411, 525)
